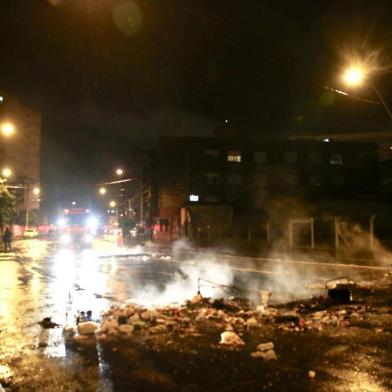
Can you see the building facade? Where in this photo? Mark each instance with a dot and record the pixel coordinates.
(218, 184)
(20, 151)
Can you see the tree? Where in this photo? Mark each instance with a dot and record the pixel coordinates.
(7, 206)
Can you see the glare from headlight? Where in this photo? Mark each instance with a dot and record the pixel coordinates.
(65, 239)
(88, 239)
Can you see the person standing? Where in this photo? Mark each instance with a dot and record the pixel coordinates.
(7, 238)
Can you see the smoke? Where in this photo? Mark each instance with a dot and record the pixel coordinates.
(203, 272)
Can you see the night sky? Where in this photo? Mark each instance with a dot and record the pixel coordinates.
(111, 77)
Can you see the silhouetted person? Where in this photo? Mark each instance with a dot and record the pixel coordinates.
(7, 238)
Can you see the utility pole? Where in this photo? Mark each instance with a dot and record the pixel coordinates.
(141, 203)
(27, 200)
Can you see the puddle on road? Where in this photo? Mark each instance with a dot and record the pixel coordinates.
(35, 286)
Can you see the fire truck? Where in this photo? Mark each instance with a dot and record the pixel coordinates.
(77, 227)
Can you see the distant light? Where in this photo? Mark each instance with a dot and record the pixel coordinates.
(61, 222)
(74, 203)
(194, 198)
(1, 99)
(119, 172)
(326, 140)
(390, 147)
(36, 191)
(92, 221)
(65, 239)
(88, 210)
(112, 204)
(102, 190)
(7, 129)
(226, 121)
(7, 172)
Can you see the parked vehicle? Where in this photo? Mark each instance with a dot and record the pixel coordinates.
(30, 233)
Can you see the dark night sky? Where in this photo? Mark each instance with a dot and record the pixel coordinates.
(107, 84)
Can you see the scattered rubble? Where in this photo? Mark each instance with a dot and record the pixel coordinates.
(265, 351)
(232, 319)
(231, 339)
(87, 328)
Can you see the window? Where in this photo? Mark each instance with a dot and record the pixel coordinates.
(315, 157)
(211, 153)
(292, 180)
(337, 181)
(212, 199)
(234, 178)
(290, 157)
(234, 156)
(315, 180)
(260, 156)
(213, 178)
(336, 159)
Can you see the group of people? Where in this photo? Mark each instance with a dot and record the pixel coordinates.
(7, 239)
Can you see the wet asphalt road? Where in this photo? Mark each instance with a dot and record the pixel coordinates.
(41, 280)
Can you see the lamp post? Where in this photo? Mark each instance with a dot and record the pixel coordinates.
(120, 172)
(355, 75)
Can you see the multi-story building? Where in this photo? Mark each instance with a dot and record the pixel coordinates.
(211, 181)
(20, 151)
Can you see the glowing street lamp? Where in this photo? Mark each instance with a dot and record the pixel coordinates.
(112, 204)
(354, 76)
(6, 172)
(119, 172)
(102, 190)
(7, 129)
(36, 191)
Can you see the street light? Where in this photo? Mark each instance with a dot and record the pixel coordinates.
(355, 75)
(119, 172)
(36, 191)
(112, 204)
(7, 172)
(7, 129)
(102, 190)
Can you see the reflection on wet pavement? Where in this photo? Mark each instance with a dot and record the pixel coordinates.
(42, 281)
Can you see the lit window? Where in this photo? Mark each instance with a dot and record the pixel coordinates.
(211, 153)
(193, 197)
(234, 156)
(336, 159)
(315, 157)
(290, 157)
(260, 156)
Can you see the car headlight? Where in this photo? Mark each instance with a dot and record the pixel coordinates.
(65, 239)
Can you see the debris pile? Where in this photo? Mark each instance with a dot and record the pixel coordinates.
(233, 320)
